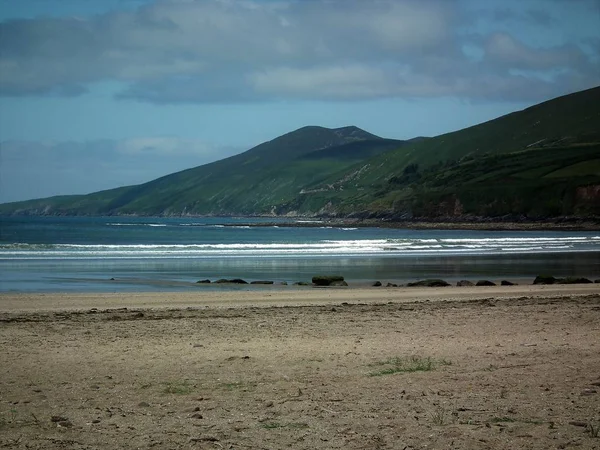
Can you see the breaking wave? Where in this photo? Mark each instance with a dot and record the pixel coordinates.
(341, 247)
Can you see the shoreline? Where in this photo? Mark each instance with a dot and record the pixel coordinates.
(467, 224)
(36, 302)
(476, 225)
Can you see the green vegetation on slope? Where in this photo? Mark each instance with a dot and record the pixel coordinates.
(253, 182)
(542, 162)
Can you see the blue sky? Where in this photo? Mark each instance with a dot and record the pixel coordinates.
(97, 94)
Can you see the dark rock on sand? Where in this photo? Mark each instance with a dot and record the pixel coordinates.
(376, 284)
(261, 282)
(232, 281)
(203, 281)
(391, 285)
(545, 279)
(463, 283)
(326, 280)
(429, 283)
(574, 280)
(507, 283)
(301, 283)
(578, 423)
(485, 283)
(338, 283)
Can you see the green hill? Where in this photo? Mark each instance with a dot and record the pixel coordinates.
(253, 182)
(539, 163)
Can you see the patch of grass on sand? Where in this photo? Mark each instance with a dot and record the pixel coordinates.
(180, 387)
(440, 417)
(502, 420)
(407, 365)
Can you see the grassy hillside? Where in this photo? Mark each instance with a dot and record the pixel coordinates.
(542, 162)
(548, 150)
(252, 182)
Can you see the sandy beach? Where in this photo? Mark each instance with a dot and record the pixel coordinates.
(398, 368)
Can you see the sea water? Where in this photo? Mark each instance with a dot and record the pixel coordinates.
(43, 254)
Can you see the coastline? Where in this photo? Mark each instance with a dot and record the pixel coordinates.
(450, 223)
(473, 225)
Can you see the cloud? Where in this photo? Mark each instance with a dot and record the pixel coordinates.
(42, 169)
(215, 51)
(329, 82)
(503, 49)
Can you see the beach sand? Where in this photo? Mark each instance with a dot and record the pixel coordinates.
(503, 368)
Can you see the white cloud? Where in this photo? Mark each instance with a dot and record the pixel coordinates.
(331, 82)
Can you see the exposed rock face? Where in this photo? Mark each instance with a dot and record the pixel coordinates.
(203, 281)
(463, 283)
(429, 283)
(458, 208)
(326, 280)
(376, 284)
(506, 283)
(485, 283)
(588, 193)
(261, 282)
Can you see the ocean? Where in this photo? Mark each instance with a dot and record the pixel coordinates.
(117, 254)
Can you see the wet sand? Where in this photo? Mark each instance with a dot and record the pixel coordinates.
(276, 296)
(400, 368)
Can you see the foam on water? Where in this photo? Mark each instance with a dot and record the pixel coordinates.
(330, 247)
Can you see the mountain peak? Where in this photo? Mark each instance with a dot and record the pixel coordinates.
(352, 132)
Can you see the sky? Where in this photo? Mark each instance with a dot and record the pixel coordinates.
(96, 94)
